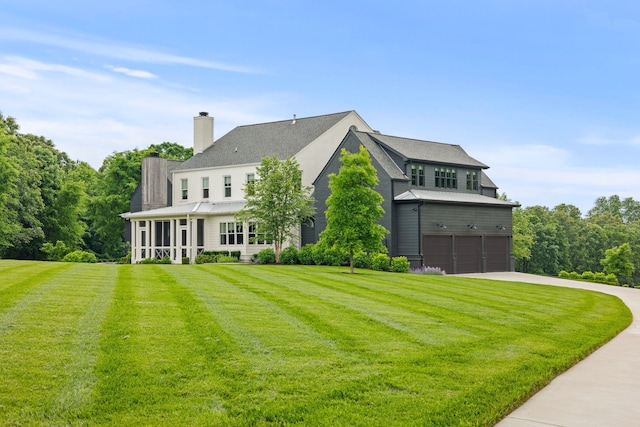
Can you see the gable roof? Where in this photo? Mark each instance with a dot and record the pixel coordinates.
(380, 155)
(250, 143)
(427, 151)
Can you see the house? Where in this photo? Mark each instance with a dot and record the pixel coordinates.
(440, 206)
(181, 209)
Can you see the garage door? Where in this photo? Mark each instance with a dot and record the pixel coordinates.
(438, 252)
(497, 248)
(468, 254)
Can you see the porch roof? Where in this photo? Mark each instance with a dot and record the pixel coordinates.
(195, 208)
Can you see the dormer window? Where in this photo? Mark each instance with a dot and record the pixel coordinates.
(446, 178)
(417, 175)
(472, 180)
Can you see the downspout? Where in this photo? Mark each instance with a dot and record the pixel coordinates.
(420, 234)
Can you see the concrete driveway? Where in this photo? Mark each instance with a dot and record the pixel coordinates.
(601, 391)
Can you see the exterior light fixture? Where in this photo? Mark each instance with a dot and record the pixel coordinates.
(501, 227)
(472, 226)
(442, 225)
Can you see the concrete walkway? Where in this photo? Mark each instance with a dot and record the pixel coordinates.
(603, 389)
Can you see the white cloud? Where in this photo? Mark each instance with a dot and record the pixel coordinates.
(83, 43)
(28, 69)
(141, 74)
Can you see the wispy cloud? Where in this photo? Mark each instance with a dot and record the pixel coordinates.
(109, 49)
(141, 74)
(26, 68)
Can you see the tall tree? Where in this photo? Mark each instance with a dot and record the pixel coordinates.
(277, 202)
(354, 207)
(618, 261)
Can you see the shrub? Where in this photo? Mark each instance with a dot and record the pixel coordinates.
(334, 256)
(380, 262)
(289, 255)
(80, 256)
(305, 254)
(57, 252)
(588, 276)
(400, 264)
(266, 256)
(225, 258)
(428, 270)
(361, 260)
(600, 277)
(235, 254)
(317, 254)
(207, 258)
(185, 260)
(125, 259)
(574, 276)
(563, 274)
(611, 279)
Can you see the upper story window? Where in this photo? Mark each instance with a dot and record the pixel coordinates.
(249, 189)
(446, 178)
(205, 187)
(472, 180)
(417, 175)
(227, 186)
(185, 188)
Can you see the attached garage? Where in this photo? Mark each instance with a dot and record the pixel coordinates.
(437, 251)
(498, 253)
(468, 251)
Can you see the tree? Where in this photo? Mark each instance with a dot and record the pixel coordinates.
(277, 202)
(353, 208)
(523, 238)
(618, 261)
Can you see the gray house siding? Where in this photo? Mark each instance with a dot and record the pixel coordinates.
(407, 230)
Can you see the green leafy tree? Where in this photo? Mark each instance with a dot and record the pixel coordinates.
(354, 207)
(618, 261)
(523, 238)
(9, 225)
(277, 202)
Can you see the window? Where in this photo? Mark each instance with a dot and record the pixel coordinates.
(472, 180)
(185, 188)
(249, 189)
(414, 175)
(200, 232)
(205, 187)
(183, 221)
(421, 175)
(446, 178)
(255, 237)
(227, 186)
(143, 238)
(143, 223)
(417, 175)
(231, 233)
(163, 233)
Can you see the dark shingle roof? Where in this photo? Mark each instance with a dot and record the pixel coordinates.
(381, 156)
(486, 182)
(436, 152)
(249, 144)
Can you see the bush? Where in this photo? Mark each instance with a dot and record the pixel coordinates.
(80, 256)
(361, 260)
(428, 270)
(235, 254)
(165, 260)
(563, 274)
(57, 252)
(289, 255)
(225, 258)
(125, 259)
(588, 276)
(266, 256)
(400, 264)
(185, 260)
(305, 254)
(380, 262)
(335, 257)
(611, 279)
(317, 253)
(207, 258)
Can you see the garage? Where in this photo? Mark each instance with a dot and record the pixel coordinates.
(468, 251)
(438, 250)
(498, 251)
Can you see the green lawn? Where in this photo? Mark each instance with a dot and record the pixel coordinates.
(87, 344)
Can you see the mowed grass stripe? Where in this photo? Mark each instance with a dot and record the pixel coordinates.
(44, 351)
(24, 277)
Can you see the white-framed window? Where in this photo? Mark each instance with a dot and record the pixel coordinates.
(472, 180)
(227, 186)
(185, 188)
(231, 233)
(205, 187)
(249, 189)
(255, 237)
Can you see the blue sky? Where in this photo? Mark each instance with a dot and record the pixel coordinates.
(544, 92)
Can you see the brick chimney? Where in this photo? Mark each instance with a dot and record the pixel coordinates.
(202, 132)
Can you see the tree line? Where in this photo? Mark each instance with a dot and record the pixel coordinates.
(50, 205)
